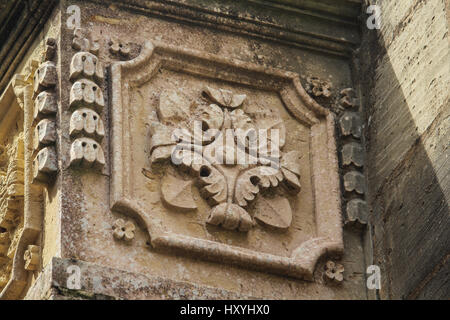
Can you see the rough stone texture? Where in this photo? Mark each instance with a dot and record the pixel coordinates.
(405, 81)
(265, 57)
(101, 282)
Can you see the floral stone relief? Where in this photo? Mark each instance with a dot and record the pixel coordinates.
(224, 160)
(229, 184)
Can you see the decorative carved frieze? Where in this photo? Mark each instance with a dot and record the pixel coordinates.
(87, 101)
(20, 199)
(4, 245)
(20, 81)
(12, 186)
(45, 110)
(11, 177)
(352, 158)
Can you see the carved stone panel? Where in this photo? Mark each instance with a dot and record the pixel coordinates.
(20, 200)
(11, 183)
(184, 126)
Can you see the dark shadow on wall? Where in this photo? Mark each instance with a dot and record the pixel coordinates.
(410, 219)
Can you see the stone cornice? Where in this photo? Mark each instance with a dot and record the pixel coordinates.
(21, 23)
(324, 26)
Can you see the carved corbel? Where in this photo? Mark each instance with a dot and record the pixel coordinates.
(44, 134)
(45, 165)
(81, 42)
(45, 77)
(45, 105)
(349, 98)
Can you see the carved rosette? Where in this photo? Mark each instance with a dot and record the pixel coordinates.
(87, 102)
(119, 49)
(318, 88)
(123, 230)
(334, 272)
(233, 179)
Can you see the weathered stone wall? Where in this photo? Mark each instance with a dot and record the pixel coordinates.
(284, 58)
(405, 80)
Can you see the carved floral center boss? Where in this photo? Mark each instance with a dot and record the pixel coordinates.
(228, 189)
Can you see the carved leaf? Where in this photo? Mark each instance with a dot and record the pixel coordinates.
(161, 135)
(245, 130)
(162, 142)
(225, 98)
(211, 116)
(241, 120)
(214, 184)
(248, 184)
(205, 123)
(275, 212)
(290, 167)
(172, 107)
(273, 124)
(231, 217)
(177, 193)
